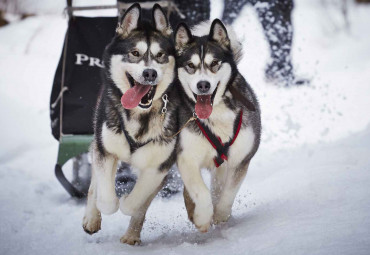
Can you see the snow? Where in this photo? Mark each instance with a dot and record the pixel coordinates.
(307, 191)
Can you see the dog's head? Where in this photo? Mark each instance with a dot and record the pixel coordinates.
(205, 65)
(140, 60)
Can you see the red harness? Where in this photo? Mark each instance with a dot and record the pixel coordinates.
(216, 142)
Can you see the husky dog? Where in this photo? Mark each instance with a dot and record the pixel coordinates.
(226, 132)
(135, 118)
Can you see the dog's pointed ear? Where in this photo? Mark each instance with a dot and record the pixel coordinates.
(161, 21)
(218, 33)
(130, 20)
(182, 36)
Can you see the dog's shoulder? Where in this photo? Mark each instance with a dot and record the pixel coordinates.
(244, 89)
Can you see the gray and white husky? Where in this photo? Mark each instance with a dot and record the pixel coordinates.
(134, 120)
(226, 133)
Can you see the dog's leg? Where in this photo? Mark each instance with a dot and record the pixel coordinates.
(104, 169)
(233, 181)
(198, 192)
(92, 218)
(218, 177)
(189, 204)
(132, 235)
(147, 183)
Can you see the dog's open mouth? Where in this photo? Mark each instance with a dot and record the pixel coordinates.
(204, 104)
(138, 95)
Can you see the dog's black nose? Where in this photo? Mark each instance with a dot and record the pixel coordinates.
(150, 74)
(203, 86)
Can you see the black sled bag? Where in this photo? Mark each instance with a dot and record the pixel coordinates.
(77, 80)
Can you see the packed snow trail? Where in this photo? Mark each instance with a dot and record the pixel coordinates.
(307, 190)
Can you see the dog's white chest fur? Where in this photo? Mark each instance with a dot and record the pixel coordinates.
(222, 122)
(116, 143)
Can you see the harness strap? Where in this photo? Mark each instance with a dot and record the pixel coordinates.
(133, 145)
(238, 128)
(216, 142)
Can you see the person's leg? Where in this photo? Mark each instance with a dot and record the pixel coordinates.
(232, 9)
(173, 183)
(195, 11)
(275, 17)
(81, 173)
(125, 179)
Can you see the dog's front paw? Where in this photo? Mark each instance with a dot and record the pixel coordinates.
(107, 206)
(220, 217)
(91, 224)
(222, 213)
(128, 206)
(202, 217)
(130, 239)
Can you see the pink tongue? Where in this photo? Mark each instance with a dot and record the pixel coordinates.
(133, 96)
(203, 107)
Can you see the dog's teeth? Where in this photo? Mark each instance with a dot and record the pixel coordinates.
(149, 102)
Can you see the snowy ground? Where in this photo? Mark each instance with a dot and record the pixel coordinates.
(307, 191)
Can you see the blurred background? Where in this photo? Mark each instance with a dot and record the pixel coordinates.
(307, 188)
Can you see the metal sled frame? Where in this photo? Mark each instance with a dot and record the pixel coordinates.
(71, 145)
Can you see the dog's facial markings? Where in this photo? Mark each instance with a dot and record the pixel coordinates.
(141, 47)
(212, 63)
(155, 48)
(209, 69)
(133, 60)
(154, 57)
(205, 65)
(190, 68)
(193, 64)
(140, 52)
(158, 54)
(195, 60)
(137, 53)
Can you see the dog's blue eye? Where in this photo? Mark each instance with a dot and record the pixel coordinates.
(135, 53)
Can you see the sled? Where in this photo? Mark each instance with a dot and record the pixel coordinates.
(75, 90)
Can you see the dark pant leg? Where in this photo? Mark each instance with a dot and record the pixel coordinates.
(195, 11)
(232, 9)
(275, 17)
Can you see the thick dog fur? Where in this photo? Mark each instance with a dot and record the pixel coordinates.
(137, 46)
(213, 58)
